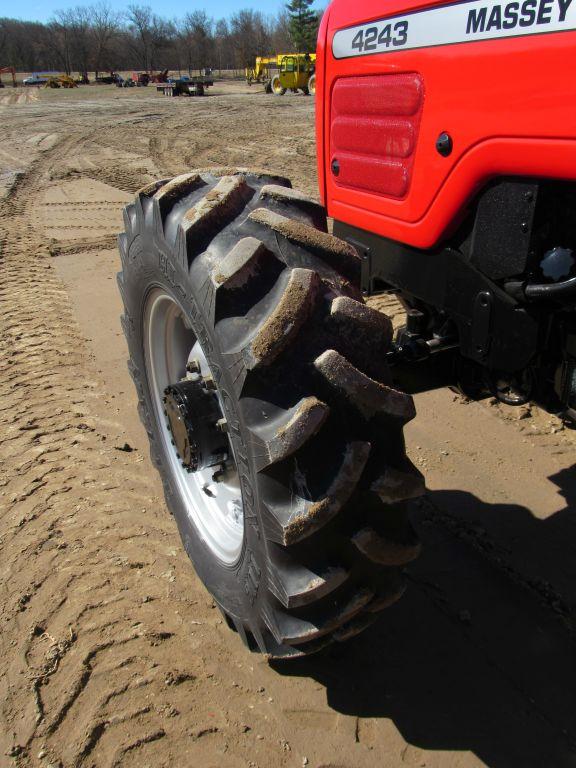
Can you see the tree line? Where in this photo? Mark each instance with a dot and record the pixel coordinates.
(96, 38)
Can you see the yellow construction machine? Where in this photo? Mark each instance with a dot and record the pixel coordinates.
(60, 81)
(285, 72)
(260, 73)
(297, 72)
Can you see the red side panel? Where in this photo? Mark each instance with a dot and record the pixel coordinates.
(374, 132)
(321, 103)
(509, 106)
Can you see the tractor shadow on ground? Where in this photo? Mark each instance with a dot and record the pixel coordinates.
(479, 655)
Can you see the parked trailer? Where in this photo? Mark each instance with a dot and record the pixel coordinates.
(186, 87)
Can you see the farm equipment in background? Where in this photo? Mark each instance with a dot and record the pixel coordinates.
(265, 383)
(296, 72)
(159, 77)
(112, 79)
(61, 81)
(286, 71)
(142, 79)
(186, 86)
(6, 71)
(261, 71)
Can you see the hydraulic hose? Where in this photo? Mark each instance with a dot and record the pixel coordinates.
(552, 291)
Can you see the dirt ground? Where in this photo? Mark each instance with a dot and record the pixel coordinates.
(111, 652)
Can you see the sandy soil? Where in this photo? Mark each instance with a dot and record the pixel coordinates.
(111, 652)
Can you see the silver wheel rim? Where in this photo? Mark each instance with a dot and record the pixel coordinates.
(214, 507)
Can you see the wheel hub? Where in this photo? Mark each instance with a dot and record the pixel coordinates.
(194, 421)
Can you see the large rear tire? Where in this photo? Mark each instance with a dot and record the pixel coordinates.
(234, 276)
(312, 86)
(277, 87)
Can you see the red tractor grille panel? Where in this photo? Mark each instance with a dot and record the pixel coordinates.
(375, 122)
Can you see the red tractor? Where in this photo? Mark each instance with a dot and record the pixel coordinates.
(446, 157)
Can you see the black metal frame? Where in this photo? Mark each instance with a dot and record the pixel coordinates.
(487, 288)
(447, 281)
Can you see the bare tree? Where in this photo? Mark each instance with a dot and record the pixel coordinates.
(151, 35)
(3, 41)
(199, 40)
(140, 20)
(72, 39)
(61, 40)
(280, 33)
(25, 44)
(105, 27)
(249, 36)
(222, 45)
(81, 46)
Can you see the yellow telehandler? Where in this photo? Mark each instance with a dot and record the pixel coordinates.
(297, 72)
(286, 71)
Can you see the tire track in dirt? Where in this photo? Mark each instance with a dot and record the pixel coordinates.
(125, 179)
(103, 627)
(18, 97)
(167, 161)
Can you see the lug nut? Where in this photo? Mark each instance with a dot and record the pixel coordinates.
(209, 383)
(220, 472)
(222, 425)
(193, 366)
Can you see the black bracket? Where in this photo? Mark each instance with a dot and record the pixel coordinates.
(365, 267)
(481, 322)
(444, 278)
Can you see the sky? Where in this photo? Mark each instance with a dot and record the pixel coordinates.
(33, 10)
